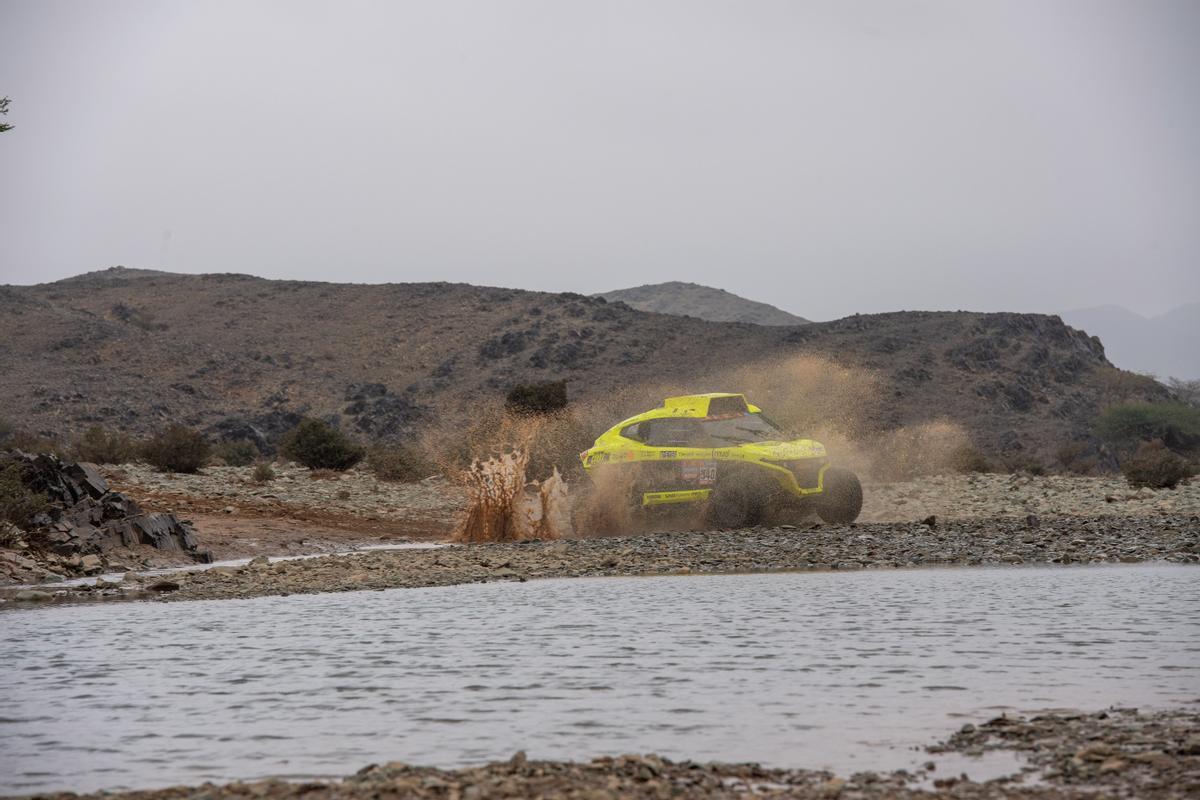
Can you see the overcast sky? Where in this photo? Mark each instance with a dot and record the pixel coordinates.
(827, 157)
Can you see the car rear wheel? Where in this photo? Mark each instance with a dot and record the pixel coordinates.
(842, 500)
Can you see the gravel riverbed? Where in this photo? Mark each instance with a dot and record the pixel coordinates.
(1117, 753)
(974, 542)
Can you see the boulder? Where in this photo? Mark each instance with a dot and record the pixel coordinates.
(87, 517)
(86, 478)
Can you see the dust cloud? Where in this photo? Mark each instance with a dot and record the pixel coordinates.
(517, 467)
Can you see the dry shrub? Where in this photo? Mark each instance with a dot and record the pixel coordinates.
(1077, 458)
(98, 446)
(263, 473)
(18, 503)
(1154, 465)
(399, 463)
(35, 443)
(177, 449)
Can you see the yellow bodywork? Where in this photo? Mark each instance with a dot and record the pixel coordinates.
(613, 447)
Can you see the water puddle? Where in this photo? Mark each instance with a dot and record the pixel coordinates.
(839, 671)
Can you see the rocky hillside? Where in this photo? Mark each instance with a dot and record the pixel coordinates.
(242, 356)
(703, 302)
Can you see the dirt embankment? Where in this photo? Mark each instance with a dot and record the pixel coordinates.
(1119, 754)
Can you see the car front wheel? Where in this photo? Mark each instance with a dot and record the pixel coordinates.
(842, 499)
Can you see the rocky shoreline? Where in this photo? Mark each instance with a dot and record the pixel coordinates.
(1117, 753)
(973, 542)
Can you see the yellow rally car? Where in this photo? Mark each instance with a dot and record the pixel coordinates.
(720, 450)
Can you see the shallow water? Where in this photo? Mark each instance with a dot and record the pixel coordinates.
(117, 577)
(841, 670)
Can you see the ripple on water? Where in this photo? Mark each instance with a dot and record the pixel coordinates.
(846, 671)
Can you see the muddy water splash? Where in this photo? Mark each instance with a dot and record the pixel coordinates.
(504, 507)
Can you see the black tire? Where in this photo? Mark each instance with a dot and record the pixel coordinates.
(842, 500)
(738, 503)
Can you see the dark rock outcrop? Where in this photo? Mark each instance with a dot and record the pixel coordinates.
(85, 516)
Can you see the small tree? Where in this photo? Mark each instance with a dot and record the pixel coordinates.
(4, 110)
(1177, 425)
(318, 445)
(1186, 391)
(177, 449)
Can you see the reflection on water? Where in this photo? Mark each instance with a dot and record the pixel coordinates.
(841, 670)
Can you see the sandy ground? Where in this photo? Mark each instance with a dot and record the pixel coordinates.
(1112, 754)
(235, 516)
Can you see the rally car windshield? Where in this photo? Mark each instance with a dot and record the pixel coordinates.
(742, 429)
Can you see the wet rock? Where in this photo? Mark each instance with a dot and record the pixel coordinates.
(32, 596)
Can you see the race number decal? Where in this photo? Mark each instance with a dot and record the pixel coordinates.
(702, 473)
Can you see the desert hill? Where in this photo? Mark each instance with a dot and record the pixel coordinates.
(703, 302)
(243, 356)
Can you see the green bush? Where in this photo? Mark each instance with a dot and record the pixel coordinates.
(177, 449)
(240, 453)
(263, 473)
(537, 398)
(18, 503)
(399, 463)
(317, 445)
(99, 446)
(1177, 425)
(1156, 466)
